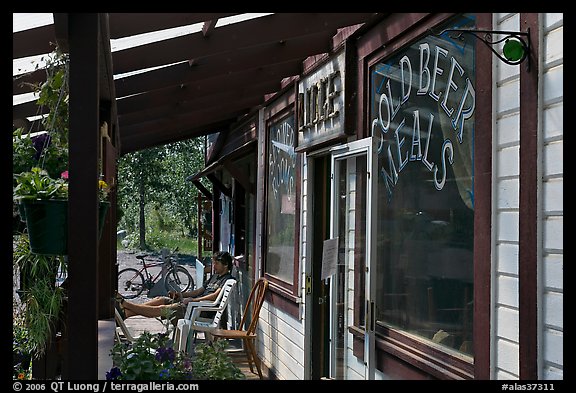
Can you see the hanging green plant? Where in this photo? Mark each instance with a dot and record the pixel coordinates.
(54, 95)
(42, 300)
(39, 157)
(46, 148)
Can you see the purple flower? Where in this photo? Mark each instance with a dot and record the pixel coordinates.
(114, 373)
(163, 354)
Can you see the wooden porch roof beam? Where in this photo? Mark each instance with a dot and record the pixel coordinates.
(195, 119)
(219, 185)
(128, 24)
(209, 27)
(36, 41)
(155, 135)
(222, 64)
(260, 31)
(230, 81)
(221, 100)
(202, 189)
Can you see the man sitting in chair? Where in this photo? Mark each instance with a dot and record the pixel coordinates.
(174, 305)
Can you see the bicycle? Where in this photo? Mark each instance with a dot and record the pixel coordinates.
(131, 281)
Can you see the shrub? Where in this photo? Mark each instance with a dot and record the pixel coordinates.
(152, 357)
(212, 362)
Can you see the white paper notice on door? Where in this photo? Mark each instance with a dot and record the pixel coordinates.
(329, 258)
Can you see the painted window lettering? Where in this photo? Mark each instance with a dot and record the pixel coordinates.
(406, 119)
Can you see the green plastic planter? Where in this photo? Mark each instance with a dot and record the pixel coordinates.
(47, 223)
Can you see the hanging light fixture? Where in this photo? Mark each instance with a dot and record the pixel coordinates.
(516, 46)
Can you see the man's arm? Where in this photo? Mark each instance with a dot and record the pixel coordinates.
(210, 297)
(181, 295)
(193, 293)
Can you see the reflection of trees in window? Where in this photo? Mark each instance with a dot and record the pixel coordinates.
(281, 200)
(425, 208)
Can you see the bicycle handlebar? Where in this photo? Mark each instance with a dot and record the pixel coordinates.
(170, 256)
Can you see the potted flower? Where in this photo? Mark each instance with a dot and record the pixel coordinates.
(45, 202)
(152, 357)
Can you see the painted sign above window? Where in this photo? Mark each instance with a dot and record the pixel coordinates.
(321, 104)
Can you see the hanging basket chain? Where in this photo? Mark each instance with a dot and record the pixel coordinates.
(51, 131)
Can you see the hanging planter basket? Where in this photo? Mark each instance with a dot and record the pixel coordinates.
(47, 223)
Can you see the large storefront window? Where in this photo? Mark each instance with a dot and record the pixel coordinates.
(281, 200)
(422, 110)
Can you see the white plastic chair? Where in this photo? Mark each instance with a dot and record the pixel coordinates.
(123, 333)
(193, 322)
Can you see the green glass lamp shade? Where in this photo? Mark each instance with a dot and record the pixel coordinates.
(513, 49)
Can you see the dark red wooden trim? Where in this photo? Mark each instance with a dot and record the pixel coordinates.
(216, 221)
(351, 87)
(202, 189)
(283, 300)
(362, 99)
(482, 203)
(393, 33)
(403, 356)
(528, 236)
(219, 185)
(279, 108)
(397, 30)
(297, 208)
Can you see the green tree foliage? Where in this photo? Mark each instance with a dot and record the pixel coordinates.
(154, 181)
(181, 197)
(48, 151)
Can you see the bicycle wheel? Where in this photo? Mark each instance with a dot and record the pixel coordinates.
(179, 278)
(130, 283)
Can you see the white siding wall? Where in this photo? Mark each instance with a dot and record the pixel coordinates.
(282, 343)
(506, 144)
(505, 364)
(552, 204)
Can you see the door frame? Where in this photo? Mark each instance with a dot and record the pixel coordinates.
(347, 151)
(312, 361)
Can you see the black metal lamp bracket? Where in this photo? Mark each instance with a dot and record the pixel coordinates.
(486, 36)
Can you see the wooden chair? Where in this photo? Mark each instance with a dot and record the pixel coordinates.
(247, 330)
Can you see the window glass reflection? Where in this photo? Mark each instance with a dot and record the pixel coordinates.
(422, 111)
